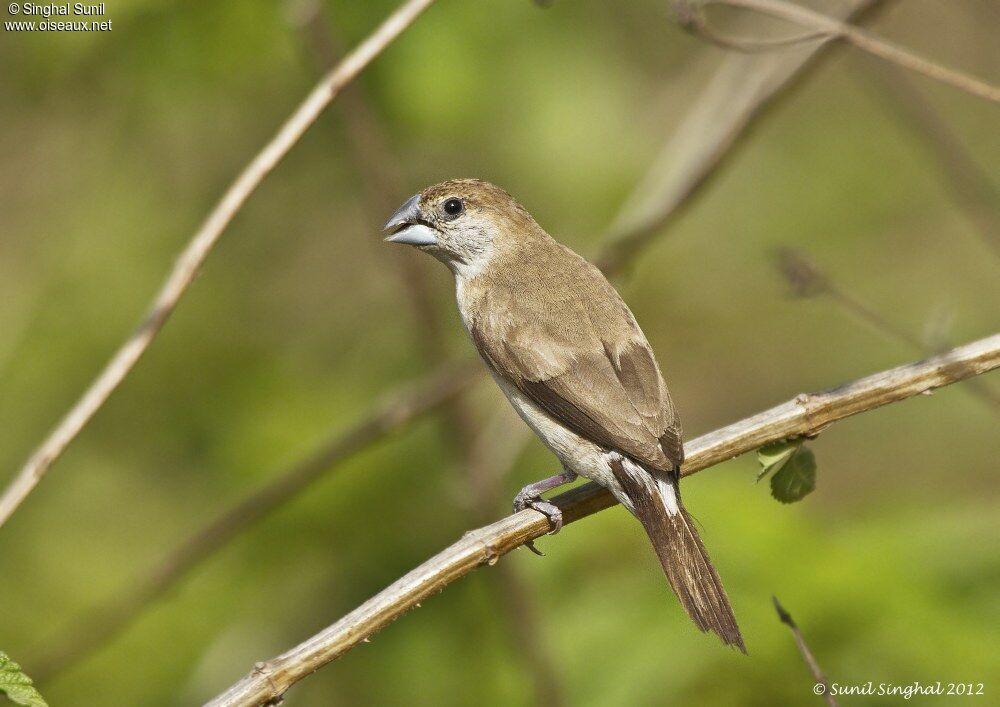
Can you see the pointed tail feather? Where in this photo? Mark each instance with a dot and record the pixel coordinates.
(657, 505)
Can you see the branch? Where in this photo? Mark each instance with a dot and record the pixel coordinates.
(737, 94)
(806, 414)
(395, 411)
(871, 43)
(194, 254)
(807, 280)
(807, 654)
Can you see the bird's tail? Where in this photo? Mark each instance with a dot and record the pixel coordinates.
(657, 505)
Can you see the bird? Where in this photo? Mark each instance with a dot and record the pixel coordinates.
(571, 359)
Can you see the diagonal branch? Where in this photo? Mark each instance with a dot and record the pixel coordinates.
(737, 94)
(194, 254)
(805, 279)
(104, 621)
(866, 41)
(806, 414)
(807, 655)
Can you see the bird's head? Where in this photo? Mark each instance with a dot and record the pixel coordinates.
(464, 223)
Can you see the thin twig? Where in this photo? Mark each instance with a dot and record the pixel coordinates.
(690, 15)
(392, 414)
(737, 95)
(807, 280)
(864, 40)
(807, 654)
(194, 254)
(806, 414)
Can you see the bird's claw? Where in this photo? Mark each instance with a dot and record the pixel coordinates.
(549, 510)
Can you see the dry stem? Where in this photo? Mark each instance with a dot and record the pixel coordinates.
(806, 414)
(194, 254)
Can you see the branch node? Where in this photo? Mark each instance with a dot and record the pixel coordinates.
(785, 617)
(265, 669)
(490, 551)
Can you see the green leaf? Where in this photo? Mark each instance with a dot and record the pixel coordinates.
(797, 478)
(16, 685)
(793, 466)
(774, 456)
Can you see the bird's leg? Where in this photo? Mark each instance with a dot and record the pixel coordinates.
(531, 497)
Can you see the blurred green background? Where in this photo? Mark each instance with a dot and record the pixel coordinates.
(115, 145)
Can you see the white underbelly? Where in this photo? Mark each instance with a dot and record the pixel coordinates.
(575, 452)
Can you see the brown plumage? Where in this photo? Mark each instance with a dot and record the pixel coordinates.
(568, 353)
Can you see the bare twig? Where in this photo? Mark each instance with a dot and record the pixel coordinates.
(194, 254)
(807, 280)
(108, 619)
(862, 39)
(807, 656)
(690, 14)
(737, 94)
(970, 186)
(806, 414)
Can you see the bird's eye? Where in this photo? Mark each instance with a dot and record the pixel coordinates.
(453, 207)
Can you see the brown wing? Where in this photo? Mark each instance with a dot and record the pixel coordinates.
(581, 357)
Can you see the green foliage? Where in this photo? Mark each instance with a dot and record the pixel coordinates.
(792, 466)
(16, 685)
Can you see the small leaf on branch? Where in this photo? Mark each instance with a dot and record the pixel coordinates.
(16, 685)
(793, 466)
(774, 456)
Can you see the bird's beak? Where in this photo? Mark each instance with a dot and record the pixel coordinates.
(409, 226)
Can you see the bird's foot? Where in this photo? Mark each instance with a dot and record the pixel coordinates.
(549, 510)
(531, 497)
